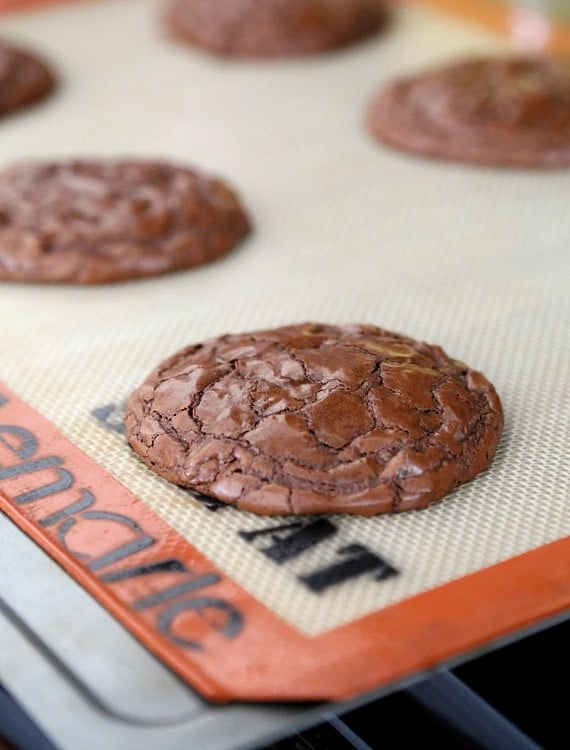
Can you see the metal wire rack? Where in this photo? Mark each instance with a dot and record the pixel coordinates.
(508, 699)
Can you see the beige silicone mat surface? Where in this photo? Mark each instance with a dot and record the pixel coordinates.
(473, 259)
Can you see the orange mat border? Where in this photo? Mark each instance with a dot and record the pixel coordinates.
(267, 660)
(506, 20)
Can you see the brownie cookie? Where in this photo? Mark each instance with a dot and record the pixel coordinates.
(89, 222)
(273, 28)
(24, 79)
(316, 418)
(505, 111)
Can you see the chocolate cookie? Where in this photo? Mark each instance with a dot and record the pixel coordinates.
(273, 28)
(506, 111)
(89, 222)
(316, 418)
(24, 79)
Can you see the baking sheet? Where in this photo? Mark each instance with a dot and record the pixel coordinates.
(346, 231)
(90, 684)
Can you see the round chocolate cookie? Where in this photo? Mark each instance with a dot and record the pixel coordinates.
(501, 111)
(273, 28)
(316, 418)
(24, 79)
(89, 222)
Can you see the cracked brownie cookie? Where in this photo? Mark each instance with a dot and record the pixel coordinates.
(273, 28)
(512, 112)
(90, 222)
(316, 418)
(24, 78)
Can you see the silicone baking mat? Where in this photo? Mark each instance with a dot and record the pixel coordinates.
(473, 259)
